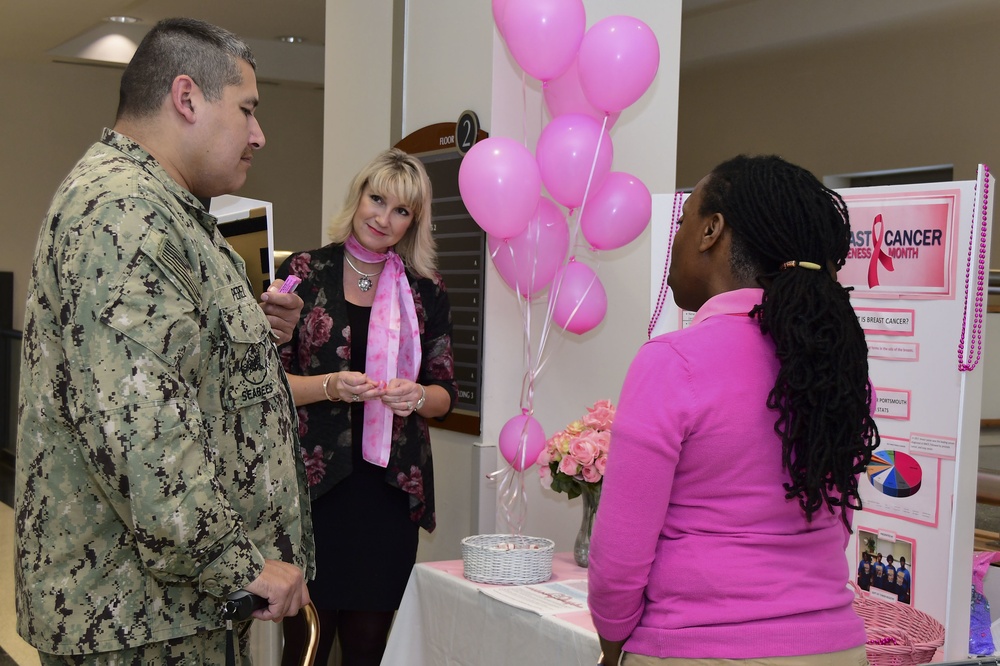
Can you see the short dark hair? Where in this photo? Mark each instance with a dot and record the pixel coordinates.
(209, 54)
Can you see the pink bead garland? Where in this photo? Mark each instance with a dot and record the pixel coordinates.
(661, 299)
(976, 340)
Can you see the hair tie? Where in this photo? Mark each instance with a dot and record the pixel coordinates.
(801, 264)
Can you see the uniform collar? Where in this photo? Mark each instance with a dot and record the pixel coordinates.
(735, 302)
(135, 152)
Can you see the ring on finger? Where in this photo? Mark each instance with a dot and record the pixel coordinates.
(409, 405)
(356, 398)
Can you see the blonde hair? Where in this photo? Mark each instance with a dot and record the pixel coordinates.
(395, 173)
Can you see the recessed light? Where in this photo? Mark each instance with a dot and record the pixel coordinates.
(122, 19)
(290, 39)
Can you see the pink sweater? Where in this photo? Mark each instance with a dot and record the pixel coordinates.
(695, 551)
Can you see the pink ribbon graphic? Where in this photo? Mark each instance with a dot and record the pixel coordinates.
(878, 255)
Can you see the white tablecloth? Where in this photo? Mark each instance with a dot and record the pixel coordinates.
(444, 620)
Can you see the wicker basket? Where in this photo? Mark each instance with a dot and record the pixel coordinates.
(912, 636)
(507, 559)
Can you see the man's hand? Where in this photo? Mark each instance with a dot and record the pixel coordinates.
(284, 587)
(282, 312)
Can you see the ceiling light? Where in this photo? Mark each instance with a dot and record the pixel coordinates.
(122, 19)
(290, 39)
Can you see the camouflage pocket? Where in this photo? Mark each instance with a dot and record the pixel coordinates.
(153, 306)
(249, 362)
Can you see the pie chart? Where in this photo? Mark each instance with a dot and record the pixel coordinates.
(894, 473)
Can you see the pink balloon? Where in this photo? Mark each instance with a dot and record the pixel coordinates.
(580, 299)
(618, 60)
(544, 35)
(498, 9)
(566, 152)
(617, 213)
(521, 440)
(500, 185)
(528, 261)
(563, 95)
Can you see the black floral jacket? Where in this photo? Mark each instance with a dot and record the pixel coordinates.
(322, 344)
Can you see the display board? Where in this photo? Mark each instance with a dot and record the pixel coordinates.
(918, 266)
(461, 250)
(248, 225)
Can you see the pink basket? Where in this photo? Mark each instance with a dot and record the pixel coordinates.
(915, 634)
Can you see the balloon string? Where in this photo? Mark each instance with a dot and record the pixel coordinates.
(511, 499)
(590, 179)
(573, 244)
(524, 108)
(582, 298)
(512, 509)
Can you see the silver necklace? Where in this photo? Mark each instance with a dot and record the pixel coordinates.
(365, 279)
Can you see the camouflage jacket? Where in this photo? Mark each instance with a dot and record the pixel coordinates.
(157, 460)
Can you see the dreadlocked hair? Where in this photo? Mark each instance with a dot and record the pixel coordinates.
(778, 212)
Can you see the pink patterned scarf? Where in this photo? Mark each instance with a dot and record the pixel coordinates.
(393, 345)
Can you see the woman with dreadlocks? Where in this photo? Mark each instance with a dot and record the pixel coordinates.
(738, 441)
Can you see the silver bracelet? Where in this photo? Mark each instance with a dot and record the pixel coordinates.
(423, 398)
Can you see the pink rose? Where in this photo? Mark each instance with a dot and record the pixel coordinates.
(602, 440)
(544, 458)
(590, 474)
(583, 449)
(601, 415)
(303, 421)
(344, 351)
(601, 463)
(300, 265)
(313, 334)
(545, 477)
(315, 465)
(569, 465)
(413, 484)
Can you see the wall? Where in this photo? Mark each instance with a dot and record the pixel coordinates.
(446, 71)
(45, 129)
(454, 61)
(583, 369)
(53, 112)
(915, 96)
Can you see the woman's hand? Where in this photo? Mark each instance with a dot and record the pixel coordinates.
(355, 387)
(612, 652)
(402, 396)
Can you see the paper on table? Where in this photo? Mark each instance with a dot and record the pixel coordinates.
(566, 596)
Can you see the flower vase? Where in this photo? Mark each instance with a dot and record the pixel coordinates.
(581, 550)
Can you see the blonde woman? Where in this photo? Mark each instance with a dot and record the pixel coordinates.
(369, 363)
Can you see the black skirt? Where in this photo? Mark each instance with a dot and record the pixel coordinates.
(366, 543)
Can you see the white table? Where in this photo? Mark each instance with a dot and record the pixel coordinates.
(444, 620)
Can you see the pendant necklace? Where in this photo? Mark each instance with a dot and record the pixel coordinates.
(364, 279)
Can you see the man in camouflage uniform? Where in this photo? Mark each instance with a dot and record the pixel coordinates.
(158, 467)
